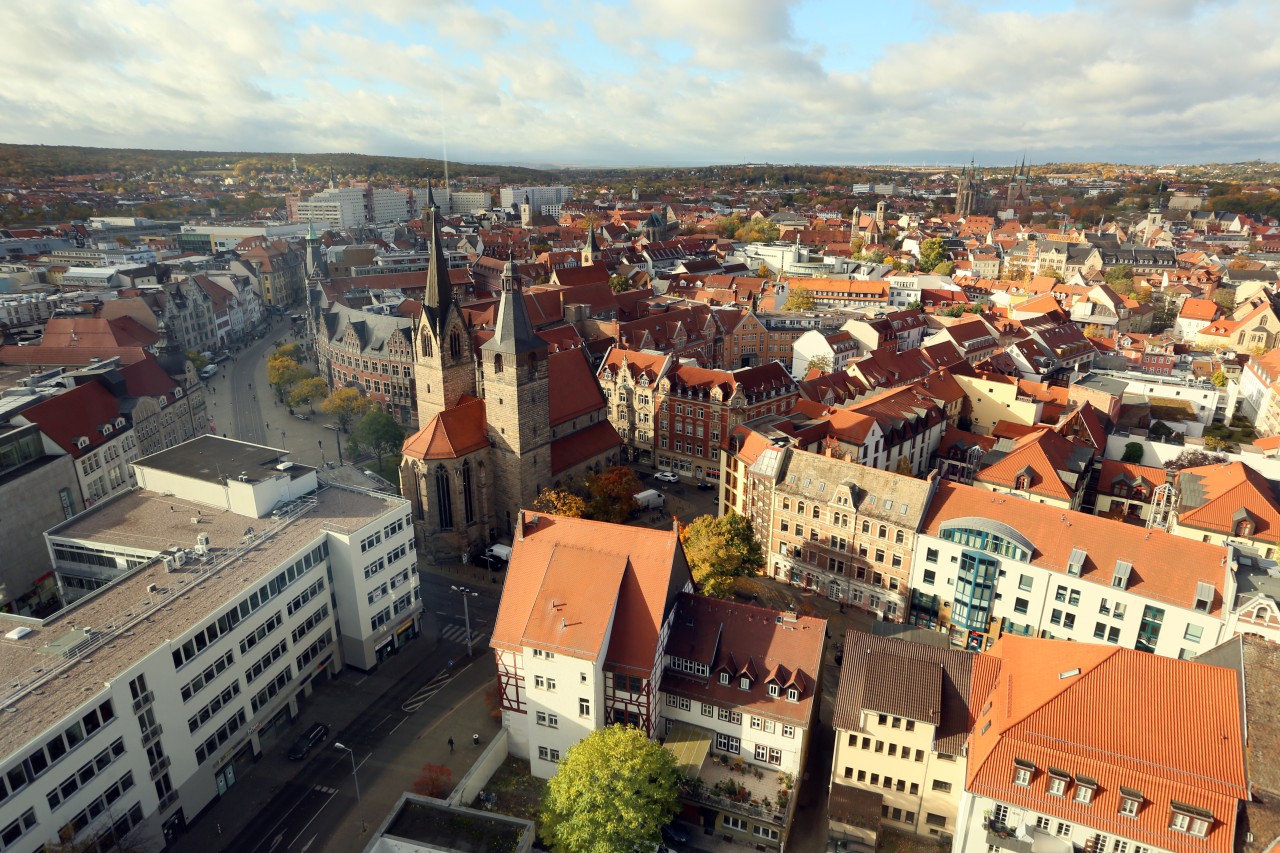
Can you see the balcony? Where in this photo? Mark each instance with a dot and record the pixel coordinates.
(727, 782)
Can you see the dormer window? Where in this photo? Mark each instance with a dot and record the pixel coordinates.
(1085, 788)
(1190, 819)
(744, 683)
(1022, 483)
(793, 695)
(1058, 781)
(724, 678)
(1244, 528)
(774, 690)
(1023, 771)
(1130, 802)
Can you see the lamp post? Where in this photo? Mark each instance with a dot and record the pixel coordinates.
(359, 803)
(466, 612)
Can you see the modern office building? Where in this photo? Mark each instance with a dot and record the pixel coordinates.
(233, 579)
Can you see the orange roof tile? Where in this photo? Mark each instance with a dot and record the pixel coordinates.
(455, 432)
(1166, 568)
(553, 548)
(1170, 729)
(1217, 497)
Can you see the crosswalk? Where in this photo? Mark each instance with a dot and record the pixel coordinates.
(458, 634)
(325, 789)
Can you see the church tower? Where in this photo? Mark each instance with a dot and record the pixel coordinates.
(316, 263)
(592, 248)
(967, 192)
(444, 365)
(517, 396)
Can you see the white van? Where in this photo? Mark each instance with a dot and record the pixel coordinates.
(651, 499)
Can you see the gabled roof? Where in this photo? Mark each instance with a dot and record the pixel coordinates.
(918, 681)
(76, 413)
(634, 574)
(577, 447)
(1166, 728)
(1213, 497)
(750, 641)
(452, 434)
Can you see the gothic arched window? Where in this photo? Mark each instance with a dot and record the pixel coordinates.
(497, 363)
(426, 345)
(444, 499)
(468, 503)
(455, 345)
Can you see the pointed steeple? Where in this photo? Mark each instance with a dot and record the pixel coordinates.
(439, 295)
(592, 249)
(513, 333)
(431, 199)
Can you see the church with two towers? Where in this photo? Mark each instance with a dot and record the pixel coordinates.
(502, 417)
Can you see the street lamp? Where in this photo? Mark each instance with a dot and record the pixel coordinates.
(466, 611)
(359, 803)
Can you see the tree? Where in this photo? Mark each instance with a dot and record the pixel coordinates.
(1213, 442)
(346, 405)
(560, 502)
(1132, 452)
(932, 253)
(284, 372)
(307, 391)
(1118, 277)
(379, 432)
(197, 360)
(293, 351)
(434, 780)
(1219, 378)
(763, 271)
(1051, 272)
(719, 550)
(945, 268)
(856, 245)
(1096, 331)
(614, 790)
(1193, 457)
(613, 494)
(1225, 297)
(619, 283)
(820, 363)
(799, 299)
(758, 230)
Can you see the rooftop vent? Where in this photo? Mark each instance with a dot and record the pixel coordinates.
(17, 633)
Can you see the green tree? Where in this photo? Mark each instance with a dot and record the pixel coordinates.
(293, 351)
(614, 791)
(1219, 378)
(613, 493)
(799, 299)
(1120, 277)
(197, 360)
(379, 432)
(932, 253)
(560, 502)
(945, 268)
(346, 405)
(619, 283)
(1132, 452)
(307, 391)
(1225, 297)
(719, 550)
(758, 230)
(821, 363)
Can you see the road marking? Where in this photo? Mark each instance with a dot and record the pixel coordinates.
(277, 840)
(307, 846)
(424, 693)
(397, 725)
(333, 792)
(383, 720)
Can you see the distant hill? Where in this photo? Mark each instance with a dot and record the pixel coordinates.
(44, 161)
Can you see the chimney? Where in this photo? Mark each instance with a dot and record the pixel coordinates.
(520, 527)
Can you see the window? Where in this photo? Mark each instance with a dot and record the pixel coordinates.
(936, 820)
(766, 832)
(1084, 793)
(584, 707)
(1020, 605)
(1022, 776)
(728, 743)
(1057, 785)
(1130, 802)
(788, 731)
(930, 576)
(731, 822)
(1025, 582)
(931, 555)
(944, 787)
(1193, 633)
(548, 754)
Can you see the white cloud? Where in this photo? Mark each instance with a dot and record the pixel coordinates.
(593, 82)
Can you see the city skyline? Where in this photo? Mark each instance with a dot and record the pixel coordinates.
(630, 83)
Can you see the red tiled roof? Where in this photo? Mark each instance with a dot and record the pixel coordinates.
(573, 387)
(1166, 568)
(577, 447)
(455, 432)
(76, 413)
(1226, 494)
(635, 574)
(708, 630)
(1164, 727)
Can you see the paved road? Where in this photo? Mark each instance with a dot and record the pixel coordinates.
(309, 809)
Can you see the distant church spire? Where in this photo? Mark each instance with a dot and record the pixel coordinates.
(513, 331)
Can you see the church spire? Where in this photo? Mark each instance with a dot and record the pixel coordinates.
(439, 295)
(513, 332)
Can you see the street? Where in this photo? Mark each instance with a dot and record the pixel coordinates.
(281, 806)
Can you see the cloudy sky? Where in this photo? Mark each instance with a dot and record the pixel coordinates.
(642, 82)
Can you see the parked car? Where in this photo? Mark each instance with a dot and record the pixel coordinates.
(302, 416)
(667, 476)
(673, 834)
(318, 733)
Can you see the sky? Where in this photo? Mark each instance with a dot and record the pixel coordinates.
(652, 82)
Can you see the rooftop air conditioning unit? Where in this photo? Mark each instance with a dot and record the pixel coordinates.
(202, 544)
(153, 588)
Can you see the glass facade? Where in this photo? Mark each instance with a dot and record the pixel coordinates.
(974, 588)
(985, 541)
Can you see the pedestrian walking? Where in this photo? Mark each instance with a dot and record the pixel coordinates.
(451, 744)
